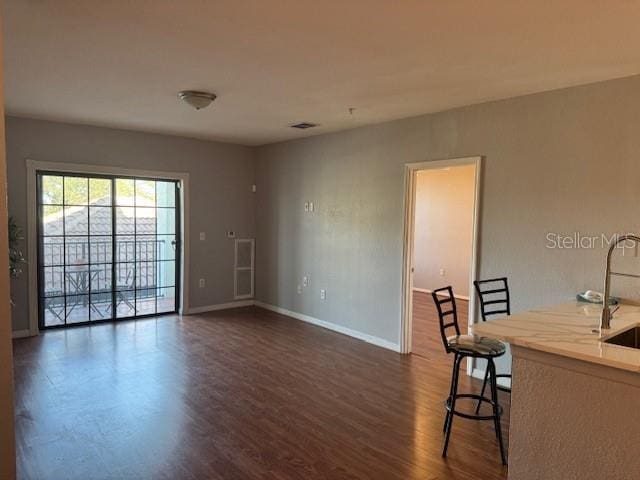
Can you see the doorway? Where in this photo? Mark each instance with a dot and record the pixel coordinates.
(441, 228)
(108, 248)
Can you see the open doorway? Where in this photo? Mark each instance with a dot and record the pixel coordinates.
(440, 248)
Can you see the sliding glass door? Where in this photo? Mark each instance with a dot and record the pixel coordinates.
(108, 248)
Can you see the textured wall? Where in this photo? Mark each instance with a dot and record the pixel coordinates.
(566, 425)
(444, 228)
(221, 176)
(560, 161)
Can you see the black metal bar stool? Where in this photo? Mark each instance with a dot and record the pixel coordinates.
(463, 346)
(493, 294)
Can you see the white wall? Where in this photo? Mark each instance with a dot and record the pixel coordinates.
(444, 228)
(560, 161)
(221, 176)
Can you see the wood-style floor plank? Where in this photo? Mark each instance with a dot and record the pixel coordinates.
(426, 340)
(239, 394)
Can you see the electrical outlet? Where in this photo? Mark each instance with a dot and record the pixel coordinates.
(311, 206)
(203, 236)
(305, 281)
(201, 283)
(299, 288)
(442, 272)
(323, 294)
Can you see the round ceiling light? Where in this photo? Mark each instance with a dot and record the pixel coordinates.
(197, 100)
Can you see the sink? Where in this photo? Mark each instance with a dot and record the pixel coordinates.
(629, 338)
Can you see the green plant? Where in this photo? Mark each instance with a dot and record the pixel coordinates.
(16, 259)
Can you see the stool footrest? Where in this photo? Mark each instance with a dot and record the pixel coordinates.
(500, 387)
(472, 416)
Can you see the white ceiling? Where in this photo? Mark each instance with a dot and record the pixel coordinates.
(276, 62)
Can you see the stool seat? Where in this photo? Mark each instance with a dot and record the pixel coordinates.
(473, 345)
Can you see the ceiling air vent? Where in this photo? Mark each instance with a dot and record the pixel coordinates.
(304, 125)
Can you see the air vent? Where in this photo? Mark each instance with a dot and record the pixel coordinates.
(304, 125)
(244, 268)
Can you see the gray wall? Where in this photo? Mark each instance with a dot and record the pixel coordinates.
(221, 176)
(561, 161)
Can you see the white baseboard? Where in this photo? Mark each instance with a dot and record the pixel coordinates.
(479, 374)
(424, 290)
(21, 333)
(332, 326)
(298, 316)
(219, 306)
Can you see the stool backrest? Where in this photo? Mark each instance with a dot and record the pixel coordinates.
(493, 294)
(447, 312)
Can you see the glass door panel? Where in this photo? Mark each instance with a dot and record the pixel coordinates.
(107, 248)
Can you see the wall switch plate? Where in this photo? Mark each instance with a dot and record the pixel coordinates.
(254, 189)
(231, 234)
(323, 294)
(201, 283)
(299, 288)
(311, 206)
(306, 206)
(203, 236)
(442, 272)
(305, 281)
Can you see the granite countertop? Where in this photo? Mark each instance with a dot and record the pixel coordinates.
(568, 330)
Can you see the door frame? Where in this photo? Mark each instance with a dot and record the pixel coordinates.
(34, 166)
(410, 177)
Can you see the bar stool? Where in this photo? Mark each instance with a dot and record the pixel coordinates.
(493, 294)
(463, 346)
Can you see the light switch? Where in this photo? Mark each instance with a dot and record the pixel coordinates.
(306, 206)
(323, 294)
(311, 206)
(203, 236)
(201, 283)
(231, 234)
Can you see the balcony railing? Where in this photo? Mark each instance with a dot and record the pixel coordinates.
(88, 267)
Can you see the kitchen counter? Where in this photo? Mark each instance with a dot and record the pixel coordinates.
(570, 330)
(575, 400)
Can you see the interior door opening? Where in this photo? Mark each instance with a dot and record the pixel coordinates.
(108, 248)
(441, 228)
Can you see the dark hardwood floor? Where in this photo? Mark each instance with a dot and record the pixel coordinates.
(243, 394)
(426, 340)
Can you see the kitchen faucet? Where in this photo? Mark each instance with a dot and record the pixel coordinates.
(605, 316)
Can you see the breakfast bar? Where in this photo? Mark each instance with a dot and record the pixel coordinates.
(575, 402)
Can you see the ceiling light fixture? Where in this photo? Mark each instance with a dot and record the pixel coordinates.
(197, 100)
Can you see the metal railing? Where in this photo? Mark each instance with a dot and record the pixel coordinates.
(88, 266)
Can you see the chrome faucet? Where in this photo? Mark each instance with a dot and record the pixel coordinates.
(605, 316)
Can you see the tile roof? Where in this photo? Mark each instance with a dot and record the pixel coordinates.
(128, 218)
